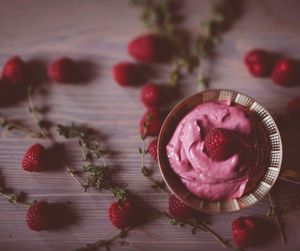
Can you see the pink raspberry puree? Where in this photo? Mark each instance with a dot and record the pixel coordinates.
(206, 178)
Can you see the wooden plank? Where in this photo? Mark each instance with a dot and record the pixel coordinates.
(98, 31)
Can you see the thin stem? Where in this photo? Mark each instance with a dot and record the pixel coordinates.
(121, 234)
(83, 153)
(46, 134)
(202, 227)
(35, 116)
(210, 231)
(23, 129)
(71, 172)
(12, 198)
(275, 214)
(154, 183)
(201, 79)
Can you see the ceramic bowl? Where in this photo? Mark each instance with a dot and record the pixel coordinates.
(272, 153)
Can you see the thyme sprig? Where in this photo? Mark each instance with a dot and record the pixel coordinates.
(46, 133)
(12, 197)
(197, 225)
(155, 184)
(159, 17)
(13, 125)
(35, 115)
(274, 213)
(99, 176)
(120, 235)
(224, 12)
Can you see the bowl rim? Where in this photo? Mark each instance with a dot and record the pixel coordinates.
(214, 208)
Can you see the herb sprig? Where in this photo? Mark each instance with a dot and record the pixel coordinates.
(159, 17)
(122, 234)
(224, 12)
(197, 225)
(274, 213)
(10, 125)
(99, 176)
(13, 197)
(155, 184)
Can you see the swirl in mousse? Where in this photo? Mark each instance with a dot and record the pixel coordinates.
(216, 151)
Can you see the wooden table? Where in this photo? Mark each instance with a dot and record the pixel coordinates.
(98, 32)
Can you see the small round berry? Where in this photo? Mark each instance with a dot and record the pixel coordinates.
(15, 71)
(34, 158)
(179, 210)
(151, 95)
(245, 231)
(150, 48)
(258, 62)
(151, 123)
(37, 216)
(62, 70)
(220, 144)
(122, 214)
(127, 74)
(285, 73)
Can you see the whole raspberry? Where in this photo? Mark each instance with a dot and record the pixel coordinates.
(151, 95)
(151, 123)
(150, 48)
(245, 231)
(220, 144)
(179, 210)
(15, 71)
(258, 62)
(122, 214)
(127, 74)
(34, 158)
(152, 148)
(62, 70)
(37, 216)
(285, 72)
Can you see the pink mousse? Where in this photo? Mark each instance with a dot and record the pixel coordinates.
(206, 178)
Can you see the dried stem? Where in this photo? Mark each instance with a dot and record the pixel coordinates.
(155, 184)
(46, 134)
(274, 212)
(201, 226)
(13, 198)
(120, 235)
(33, 112)
(10, 125)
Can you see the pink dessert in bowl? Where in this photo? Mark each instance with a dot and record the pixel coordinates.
(214, 179)
(219, 151)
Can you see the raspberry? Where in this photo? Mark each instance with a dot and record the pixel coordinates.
(152, 148)
(127, 74)
(151, 95)
(220, 144)
(285, 73)
(150, 48)
(15, 71)
(63, 70)
(34, 158)
(245, 231)
(258, 63)
(37, 216)
(122, 214)
(179, 210)
(150, 123)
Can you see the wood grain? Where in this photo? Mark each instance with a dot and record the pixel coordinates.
(98, 32)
